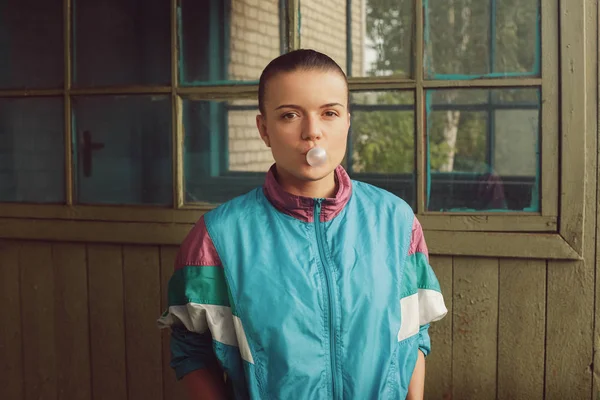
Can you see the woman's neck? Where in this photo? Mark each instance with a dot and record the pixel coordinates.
(319, 189)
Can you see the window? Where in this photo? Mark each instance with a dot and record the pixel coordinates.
(144, 110)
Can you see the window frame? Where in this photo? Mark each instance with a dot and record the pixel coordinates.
(568, 116)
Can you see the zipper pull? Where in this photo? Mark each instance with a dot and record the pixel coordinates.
(318, 203)
(317, 213)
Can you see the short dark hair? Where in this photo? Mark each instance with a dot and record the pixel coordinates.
(303, 59)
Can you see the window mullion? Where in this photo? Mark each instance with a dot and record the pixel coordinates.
(420, 116)
(550, 112)
(176, 114)
(349, 38)
(293, 24)
(67, 35)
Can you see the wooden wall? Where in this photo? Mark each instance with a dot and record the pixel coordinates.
(78, 322)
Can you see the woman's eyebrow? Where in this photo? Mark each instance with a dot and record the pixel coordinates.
(332, 105)
(300, 108)
(287, 106)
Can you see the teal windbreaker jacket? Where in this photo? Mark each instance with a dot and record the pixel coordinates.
(301, 298)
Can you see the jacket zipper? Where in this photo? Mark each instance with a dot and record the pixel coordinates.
(331, 297)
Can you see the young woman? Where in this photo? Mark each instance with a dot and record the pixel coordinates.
(313, 286)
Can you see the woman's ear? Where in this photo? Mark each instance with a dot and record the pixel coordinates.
(262, 129)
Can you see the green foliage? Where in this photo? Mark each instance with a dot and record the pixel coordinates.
(457, 42)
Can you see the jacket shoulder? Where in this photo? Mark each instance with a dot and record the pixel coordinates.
(366, 192)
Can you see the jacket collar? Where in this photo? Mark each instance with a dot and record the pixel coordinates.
(302, 208)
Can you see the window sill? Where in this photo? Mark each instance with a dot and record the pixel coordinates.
(536, 245)
(479, 222)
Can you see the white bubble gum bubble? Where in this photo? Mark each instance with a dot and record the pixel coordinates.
(316, 157)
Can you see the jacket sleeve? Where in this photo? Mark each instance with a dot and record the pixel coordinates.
(431, 304)
(198, 305)
(190, 351)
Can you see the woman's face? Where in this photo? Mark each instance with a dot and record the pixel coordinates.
(304, 109)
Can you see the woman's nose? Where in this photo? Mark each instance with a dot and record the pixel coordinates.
(312, 129)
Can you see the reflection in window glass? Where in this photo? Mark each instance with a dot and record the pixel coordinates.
(385, 45)
(224, 155)
(121, 42)
(31, 35)
(381, 34)
(123, 148)
(32, 150)
(483, 155)
(465, 38)
(227, 40)
(382, 144)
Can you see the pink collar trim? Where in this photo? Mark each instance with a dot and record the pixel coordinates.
(302, 208)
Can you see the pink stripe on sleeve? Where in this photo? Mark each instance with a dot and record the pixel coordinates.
(198, 249)
(417, 241)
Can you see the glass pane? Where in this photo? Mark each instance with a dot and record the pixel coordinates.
(123, 149)
(382, 141)
(31, 35)
(32, 150)
(121, 42)
(483, 156)
(224, 155)
(385, 45)
(467, 39)
(323, 28)
(227, 40)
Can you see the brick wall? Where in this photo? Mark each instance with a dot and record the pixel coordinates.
(254, 42)
(247, 152)
(254, 37)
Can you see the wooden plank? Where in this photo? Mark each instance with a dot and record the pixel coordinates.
(550, 122)
(596, 362)
(475, 304)
(173, 390)
(37, 313)
(101, 213)
(11, 359)
(596, 377)
(515, 222)
(141, 282)
(521, 329)
(107, 330)
(93, 231)
(72, 321)
(569, 330)
(504, 245)
(484, 244)
(573, 129)
(438, 377)
(592, 85)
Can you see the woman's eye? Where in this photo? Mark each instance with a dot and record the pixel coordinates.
(330, 113)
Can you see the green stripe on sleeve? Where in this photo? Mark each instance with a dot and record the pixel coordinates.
(418, 274)
(202, 285)
(426, 278)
